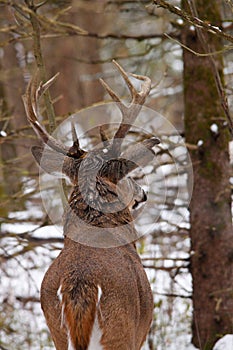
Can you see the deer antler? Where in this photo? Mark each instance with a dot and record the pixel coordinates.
(31, 103)
(129, 113)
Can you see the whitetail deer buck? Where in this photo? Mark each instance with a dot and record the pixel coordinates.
(97, 297)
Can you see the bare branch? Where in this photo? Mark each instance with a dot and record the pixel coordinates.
(200, 54)
(194, 20)
(41, 65)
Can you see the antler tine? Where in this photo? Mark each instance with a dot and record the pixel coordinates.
(74, 134)
(131, 87)
(43, 87)
(129, 113)
(138, 99)
(114, 96)
(30, 99)
(145, 89)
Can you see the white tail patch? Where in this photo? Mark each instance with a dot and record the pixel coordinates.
(70, 345)
(59, 294)
(96, 334)
(63, 323)
(99, 294)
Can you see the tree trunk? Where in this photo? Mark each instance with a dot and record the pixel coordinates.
(210, 208)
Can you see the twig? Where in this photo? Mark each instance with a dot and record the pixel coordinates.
(40, 64)
(165, 259)
(200, 54)
(218, 82)
(173, 295)
(163, 268)
(26, 300)
(197, 22)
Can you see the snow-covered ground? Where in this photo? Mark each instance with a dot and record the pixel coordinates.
(225, 343)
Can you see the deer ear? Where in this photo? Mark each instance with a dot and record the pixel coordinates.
(48, 159)
(37, 153)
(138, 155)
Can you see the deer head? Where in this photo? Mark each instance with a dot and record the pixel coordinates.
(103, 194)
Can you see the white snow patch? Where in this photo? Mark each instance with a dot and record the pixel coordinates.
(180, 21)
(190, 347)
(225, 343)
(200, 143)
(226, 24)
(215, 27)
(49, 231)
(231, 151)
(214, 128)
(3, 133)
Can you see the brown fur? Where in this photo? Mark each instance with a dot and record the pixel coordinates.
(126, 305)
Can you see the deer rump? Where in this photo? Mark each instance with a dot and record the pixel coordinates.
(102, 301)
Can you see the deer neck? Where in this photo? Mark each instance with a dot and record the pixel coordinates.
(96, 215)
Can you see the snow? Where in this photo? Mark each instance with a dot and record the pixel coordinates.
(217, 28)
(47, 232)
(231, 151)
(214, 128)
(225, 343)
(180, 21)
(226, 24)
(3, 133)
(23, 280)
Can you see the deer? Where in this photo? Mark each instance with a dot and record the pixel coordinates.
(97, 296)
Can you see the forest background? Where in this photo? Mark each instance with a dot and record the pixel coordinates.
(185, 47)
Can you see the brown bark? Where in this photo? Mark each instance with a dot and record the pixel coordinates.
(210, 208)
